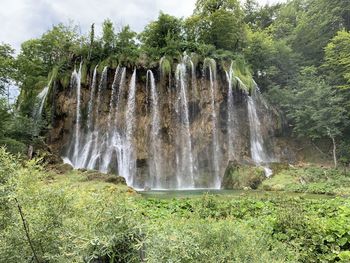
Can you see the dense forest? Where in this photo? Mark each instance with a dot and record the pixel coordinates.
(298, 54)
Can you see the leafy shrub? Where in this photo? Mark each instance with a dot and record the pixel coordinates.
(211, 241)
(13, 146)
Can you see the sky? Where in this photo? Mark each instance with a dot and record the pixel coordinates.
(25, 19)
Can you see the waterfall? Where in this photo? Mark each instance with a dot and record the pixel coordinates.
(191, 154)
(41, 98)
(188, 61)
(96, 143)
(184, 156)
(76, 78)
(41, 102)
(230, 115)
(258, 151)
(126, 154)
(156, 160)
(91, 100)
(85, 152)
(106, 145)
(210, 65)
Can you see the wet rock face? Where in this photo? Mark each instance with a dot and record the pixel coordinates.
(201, 123)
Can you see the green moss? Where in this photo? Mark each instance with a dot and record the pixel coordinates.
(209, 63)
(243, 75)
(53, 75)
(84, 71)
(165, 66)
(65, 79)
(240, 176)
(278, 182)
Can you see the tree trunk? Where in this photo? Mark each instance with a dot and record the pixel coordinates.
(334, 152)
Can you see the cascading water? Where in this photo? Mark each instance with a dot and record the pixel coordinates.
(230, 114)
(76, 78)
(85, 153)
(210, 65)
(95, 158)
(107, 144)
(258, 151)
(182, 149)
(41, 101)
(126, 154)
(184, 155)
(156, 160)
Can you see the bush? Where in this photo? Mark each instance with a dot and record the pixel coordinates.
(211, 241)
(66, 224)
(13, 146)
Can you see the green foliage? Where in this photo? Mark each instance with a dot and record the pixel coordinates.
(309, 180)
(163, 37)
(273, 62)
(210, 241)
(62, 225)
(218, 23)
(13, 146)
(71, 219)
(327, 115)
(126, 46)
(338, 59)
(165, 66)
(7, 69)
(108, 36)
(318, 23)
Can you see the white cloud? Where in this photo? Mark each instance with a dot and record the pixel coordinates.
(25, 19)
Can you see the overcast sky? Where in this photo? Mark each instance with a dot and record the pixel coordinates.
(25, 19)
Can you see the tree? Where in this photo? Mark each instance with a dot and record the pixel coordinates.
(258, 17)
(319, 23)
(317, 110)
(273, 62)
(338, 59)
(126, 46)
(7, 68)
(162, 34)
(108, 35)
(219, 23)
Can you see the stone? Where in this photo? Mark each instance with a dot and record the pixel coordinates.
(93, 175)
(242, 176)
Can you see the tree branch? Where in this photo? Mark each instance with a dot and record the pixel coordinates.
(26, 230)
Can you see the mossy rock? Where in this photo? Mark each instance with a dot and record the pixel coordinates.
(61, 168)
(239, 176)
(278, 167)
(93, 175)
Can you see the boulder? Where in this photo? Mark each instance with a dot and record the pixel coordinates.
(242, 176)
(108, 178)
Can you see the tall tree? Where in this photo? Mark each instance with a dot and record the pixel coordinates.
(338, 59)
(219, 23)
(7, 69)
(317, 110)
(108, 35)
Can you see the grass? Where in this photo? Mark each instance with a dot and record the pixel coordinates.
(311, 179)
(76, 217)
